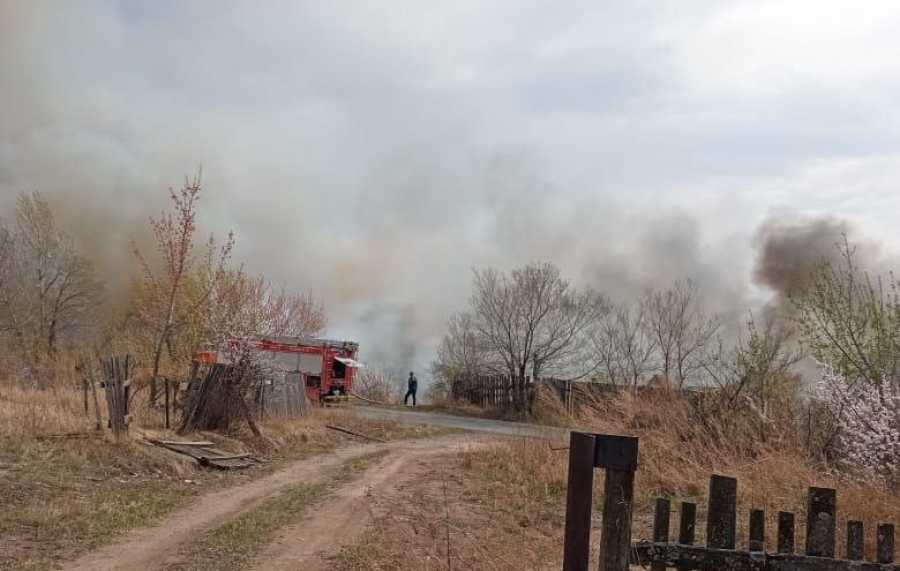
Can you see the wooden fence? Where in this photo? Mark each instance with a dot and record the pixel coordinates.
(498, 391)
(618, 455)
(117, 371)
(490, 391)
(576, 394)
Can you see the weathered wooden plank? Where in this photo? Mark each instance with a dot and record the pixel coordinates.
(884, 548)
(618, 455)
(855, 540)
(786, 532)
(116, 371)
(661, 520)
(208, 456)
(721, 521)
(687, 527)
(757, 530)
(579, 502)
(688, 524)
(695, 557)
(821, 522)
(661, 527)
(228, 462)
(615, 541)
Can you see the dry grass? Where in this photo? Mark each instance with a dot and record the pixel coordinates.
(507, 501)
(64, 496)
(26, 412)
(454, 517)
(677, 456)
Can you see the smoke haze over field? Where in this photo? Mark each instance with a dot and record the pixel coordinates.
(373, 154)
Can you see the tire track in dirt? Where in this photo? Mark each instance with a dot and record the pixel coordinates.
(151, 547)
(345, 515)
(147, 548)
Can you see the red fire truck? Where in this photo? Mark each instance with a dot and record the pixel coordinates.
(327, 367)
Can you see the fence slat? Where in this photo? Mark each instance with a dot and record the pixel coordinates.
(821, 521)
(757, 530)
(661, 527)
(688, 523)
(722, 518)
(615, 543)
(785, 532)
(855, 540)
(579, 502)
(885, 543)
(687, 527)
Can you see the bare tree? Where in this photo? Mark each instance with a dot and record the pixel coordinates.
(633, 346)
(47, 287)
(11, 292)
(174, 232)
(605, 347)
(461, 351)
(680, 328)
(377, 384)
(532, 320)
(758, 368)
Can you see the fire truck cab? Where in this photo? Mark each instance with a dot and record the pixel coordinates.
(327, 367)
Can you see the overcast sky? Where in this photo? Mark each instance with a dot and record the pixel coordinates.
(375, 152)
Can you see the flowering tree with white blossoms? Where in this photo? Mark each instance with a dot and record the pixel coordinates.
(867, 419)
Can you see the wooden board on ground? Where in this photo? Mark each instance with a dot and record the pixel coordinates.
(207, 455)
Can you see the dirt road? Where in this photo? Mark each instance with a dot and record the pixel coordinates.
(305, 545)
(486, 425)
(308, 544)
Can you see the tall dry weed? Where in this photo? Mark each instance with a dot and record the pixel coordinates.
(681, 445)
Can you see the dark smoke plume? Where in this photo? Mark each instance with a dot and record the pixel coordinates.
(788, 251)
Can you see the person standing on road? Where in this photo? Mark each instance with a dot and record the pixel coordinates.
(412, 385)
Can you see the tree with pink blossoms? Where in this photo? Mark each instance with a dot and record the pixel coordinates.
(867, 422)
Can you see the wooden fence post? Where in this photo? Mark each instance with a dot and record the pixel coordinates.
(579, 502)
(687, 527)
(722, 519)
(855, 540)
(885, 543)
(661, 527)
(618, 455)
(757, 530)
(117, 371)
(785, 532)
(821, 522)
